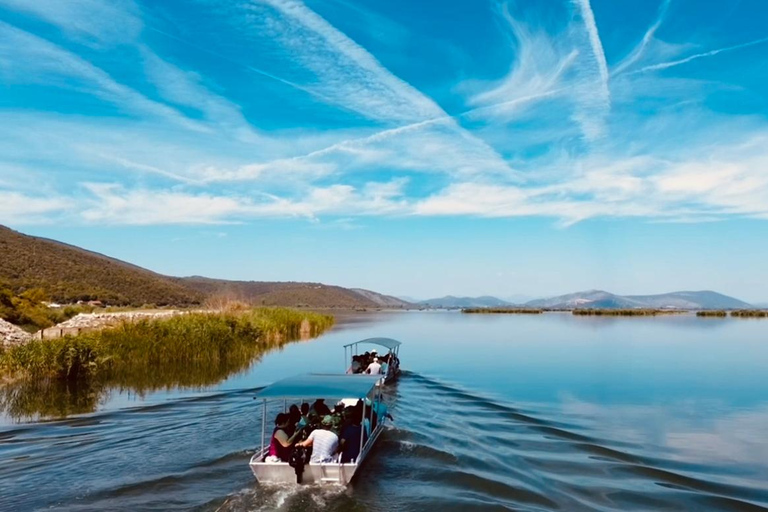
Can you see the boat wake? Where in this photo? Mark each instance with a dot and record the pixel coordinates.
(448, 449)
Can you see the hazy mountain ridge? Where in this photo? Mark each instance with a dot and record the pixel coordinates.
(704, 299)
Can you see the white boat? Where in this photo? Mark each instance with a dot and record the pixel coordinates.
(393, 354)
(307, 388)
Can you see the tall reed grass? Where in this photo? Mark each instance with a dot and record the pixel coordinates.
(193, 344)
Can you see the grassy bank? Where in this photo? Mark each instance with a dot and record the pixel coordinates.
(624, 312)
(511, 311)
(194, 348)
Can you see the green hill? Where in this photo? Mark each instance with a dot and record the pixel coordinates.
(68, 274)
(295, 294)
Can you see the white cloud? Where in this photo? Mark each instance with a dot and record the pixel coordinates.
(17, 208)
(568, 68)
(111, 204)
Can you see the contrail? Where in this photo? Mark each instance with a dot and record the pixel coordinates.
(639, 49)
(391, 132)
(594, 40)
(665, 65)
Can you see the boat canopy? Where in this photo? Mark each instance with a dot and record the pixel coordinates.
(383, 342)
(318, 385)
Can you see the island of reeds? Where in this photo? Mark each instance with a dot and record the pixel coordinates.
(712, 314)
(72, 374)
(750, 313)
(510, 311)
(740, 313)
(625, 312)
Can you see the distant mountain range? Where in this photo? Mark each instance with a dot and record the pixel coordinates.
(68, 274)
(678, 300)
(449, 301)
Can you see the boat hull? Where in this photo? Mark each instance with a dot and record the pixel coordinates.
(332, 473)
(280, 472)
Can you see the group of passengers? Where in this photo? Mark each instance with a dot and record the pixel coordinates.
(374, 364)
(330, 435)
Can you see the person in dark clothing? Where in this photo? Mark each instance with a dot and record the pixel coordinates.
(295, 416)
(320, 408)
(349, 444)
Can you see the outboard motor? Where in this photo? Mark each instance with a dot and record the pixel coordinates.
(297, 461)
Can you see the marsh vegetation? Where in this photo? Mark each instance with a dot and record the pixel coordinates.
(712, 314)
(72, 374)
(626, 312)
(750, 313)
(511, 311)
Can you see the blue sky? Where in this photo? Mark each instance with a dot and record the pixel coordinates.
(415, 148)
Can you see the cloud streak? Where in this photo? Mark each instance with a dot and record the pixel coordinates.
(638, 51)
(666, 65)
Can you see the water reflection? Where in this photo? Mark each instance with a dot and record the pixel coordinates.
(34, 399)
(520, 413)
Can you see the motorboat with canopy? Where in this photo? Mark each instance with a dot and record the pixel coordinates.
(390, 360)
(306, 388)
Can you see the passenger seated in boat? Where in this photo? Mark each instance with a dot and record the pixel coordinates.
(356, 366)
(349, 443)
(304, 409)
(281, 443)
(320, 408)
(323, 441)
(374, 368)
(294, 415)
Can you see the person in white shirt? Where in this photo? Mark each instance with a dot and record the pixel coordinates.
(324, 443)
(374, 368)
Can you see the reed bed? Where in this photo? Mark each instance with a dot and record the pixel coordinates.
(509, 311)
(198, 345)
(625, 312)
(750, 313)
(712, 314)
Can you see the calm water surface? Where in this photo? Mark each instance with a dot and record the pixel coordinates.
(545, 412)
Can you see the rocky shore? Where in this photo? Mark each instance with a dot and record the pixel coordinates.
(11, 335)
(96, 321)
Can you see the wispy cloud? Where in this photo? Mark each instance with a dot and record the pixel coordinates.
(184, 88)
(711, 53)
(114, 204)
(638, 51)
(90, 21)
(349, 74)
(169, 129)
(21, 208)
(26, 58)
(351, 77)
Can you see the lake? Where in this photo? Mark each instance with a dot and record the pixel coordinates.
(507, 412)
